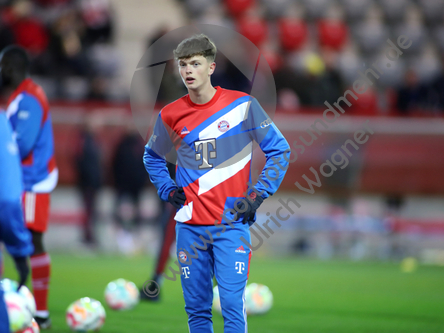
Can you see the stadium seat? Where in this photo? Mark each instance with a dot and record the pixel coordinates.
(394, 10)
(292, 33)
(238, 7)
(316, 8)
(370, 35)
(432, 10)
(332, 33)
(198, 7)
(254, 28)
(276, 8)
(356, 9)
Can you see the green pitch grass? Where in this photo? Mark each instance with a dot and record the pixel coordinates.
(310, 296)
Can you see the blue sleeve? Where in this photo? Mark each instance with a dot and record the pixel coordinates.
(26, 123)
(273, 144)
(13, 231)
(12, 226)
(156, 149)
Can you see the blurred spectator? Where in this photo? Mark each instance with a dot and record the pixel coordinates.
(412, 96)
(89, 170)
(130, 177)
(97, 17)
(67, 45)
(319, 81)
(437, 92)
(28, 31)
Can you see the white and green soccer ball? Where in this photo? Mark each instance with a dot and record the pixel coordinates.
(258, 299)
(85, 315)
(11, 285)
(121, 294)
(18, 313)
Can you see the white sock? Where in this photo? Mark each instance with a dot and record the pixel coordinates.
(42, 313)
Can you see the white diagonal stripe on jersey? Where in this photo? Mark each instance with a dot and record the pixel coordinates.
(220, 174)
(234, 118)
(185, 213)
(13, 106)
(48, 184)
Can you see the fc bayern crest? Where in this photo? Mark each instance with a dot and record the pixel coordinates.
(182, 256)
(223, 126)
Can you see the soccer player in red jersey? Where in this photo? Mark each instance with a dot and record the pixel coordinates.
(28, 113)
(212, 131)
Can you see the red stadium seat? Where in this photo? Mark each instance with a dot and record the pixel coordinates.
(30, 34)
(365, 105)
(292, 33)
(238, 7)
(332, 33)
(254, 28)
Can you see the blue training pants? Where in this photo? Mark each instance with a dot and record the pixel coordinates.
(203, 251)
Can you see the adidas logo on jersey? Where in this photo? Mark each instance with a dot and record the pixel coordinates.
(240, 249)
(185, 131)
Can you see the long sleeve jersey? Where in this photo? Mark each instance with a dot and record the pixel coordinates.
(12, 227)
(28, 112)
(214, 145)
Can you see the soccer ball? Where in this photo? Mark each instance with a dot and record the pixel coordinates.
(85, 314)
(216, 300)
(10, 285)
(33, 328)
(121, 294)
(259, 299)
(18, 313)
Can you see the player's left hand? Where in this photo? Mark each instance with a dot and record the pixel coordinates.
(253, 203)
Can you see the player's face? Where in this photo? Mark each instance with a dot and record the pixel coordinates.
(196, 71)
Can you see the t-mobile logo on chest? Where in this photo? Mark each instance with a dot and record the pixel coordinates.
(203, 152)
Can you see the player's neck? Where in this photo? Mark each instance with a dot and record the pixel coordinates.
(202, 96)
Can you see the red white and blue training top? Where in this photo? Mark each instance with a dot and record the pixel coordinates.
(213, 143)
(28, 113)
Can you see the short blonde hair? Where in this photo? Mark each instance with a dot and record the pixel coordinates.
(195, 46)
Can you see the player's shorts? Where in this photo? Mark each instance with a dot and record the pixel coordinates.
(36, 210)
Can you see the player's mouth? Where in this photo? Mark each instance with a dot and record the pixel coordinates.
(190, 80)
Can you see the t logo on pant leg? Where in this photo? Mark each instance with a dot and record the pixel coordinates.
(204, 156)
(186, 272)
(240, 266)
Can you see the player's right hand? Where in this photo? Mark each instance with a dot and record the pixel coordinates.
(21, 263)
(177, 197)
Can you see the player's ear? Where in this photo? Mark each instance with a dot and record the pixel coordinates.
(212, 68)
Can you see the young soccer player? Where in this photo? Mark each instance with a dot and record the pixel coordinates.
(28, 113)
(212, 130)
(12, 227)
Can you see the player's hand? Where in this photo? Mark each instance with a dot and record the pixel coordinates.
(177, 197)
(21, 263)
(253, 203)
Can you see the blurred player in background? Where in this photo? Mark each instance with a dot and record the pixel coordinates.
(12, 227)
(207, 127)
(168, 225)
(28, 113)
